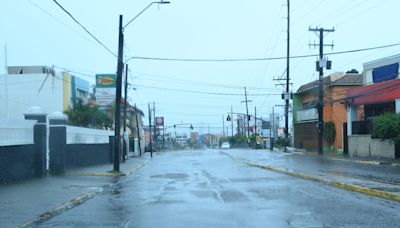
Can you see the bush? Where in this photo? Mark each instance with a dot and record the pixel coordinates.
(329, 132)
(280, 142)
(387, 126)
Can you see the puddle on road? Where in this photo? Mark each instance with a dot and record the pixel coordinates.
(233, 196)
(205, 194)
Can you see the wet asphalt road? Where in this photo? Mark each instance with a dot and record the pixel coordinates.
(209, 189)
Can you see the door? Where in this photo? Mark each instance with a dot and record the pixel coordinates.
(345, 140)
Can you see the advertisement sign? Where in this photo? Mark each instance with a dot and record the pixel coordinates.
(105, 89)
(106, 80)
(160, 121)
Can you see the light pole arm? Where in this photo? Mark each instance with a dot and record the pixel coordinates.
(159, 2)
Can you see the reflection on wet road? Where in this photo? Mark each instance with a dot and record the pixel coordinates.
(208, 189)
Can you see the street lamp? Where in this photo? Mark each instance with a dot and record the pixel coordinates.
(120, 66)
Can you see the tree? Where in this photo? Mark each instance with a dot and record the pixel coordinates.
(352, 71)
(85, 115)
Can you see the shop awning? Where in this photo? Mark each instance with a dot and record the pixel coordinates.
(375, 93)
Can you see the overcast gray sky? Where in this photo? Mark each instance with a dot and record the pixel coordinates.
(37, 32)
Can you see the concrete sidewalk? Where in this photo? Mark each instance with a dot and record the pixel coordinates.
(368, 178)
(342, 157)
(30, 202)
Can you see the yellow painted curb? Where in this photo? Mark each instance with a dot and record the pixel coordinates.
(341, 185)
(111, 174)
(62, 208)
(78, 200)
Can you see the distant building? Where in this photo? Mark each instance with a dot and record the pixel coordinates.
(26, 86)
(305, 101)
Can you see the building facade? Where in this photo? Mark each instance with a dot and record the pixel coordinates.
(27, 86)
(305, 116)
(379, 94)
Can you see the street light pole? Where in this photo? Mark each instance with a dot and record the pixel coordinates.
(120, 65)
(125, 143)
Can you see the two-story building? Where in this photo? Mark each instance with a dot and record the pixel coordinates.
(305, 101)
(379, 94)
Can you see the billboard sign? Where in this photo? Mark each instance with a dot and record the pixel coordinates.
(160, 121)
(105, 89)
(106, 80)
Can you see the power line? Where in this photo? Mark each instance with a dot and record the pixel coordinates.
(83, 27)
(196, 83)
(259, 59)
(203, 92)
(56, 19)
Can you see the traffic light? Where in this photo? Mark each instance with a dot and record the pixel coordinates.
(174, 125)
(191, 127)
(228, 118)
(248, 118)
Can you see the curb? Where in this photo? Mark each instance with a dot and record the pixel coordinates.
(110, 174)
(131, 170)
(63, 207)
(78, 200)
(341, 185)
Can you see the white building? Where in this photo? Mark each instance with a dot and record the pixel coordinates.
(26, 86)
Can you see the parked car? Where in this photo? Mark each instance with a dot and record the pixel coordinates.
(225, 145)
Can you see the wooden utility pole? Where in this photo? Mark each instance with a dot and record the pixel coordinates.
(320, 65)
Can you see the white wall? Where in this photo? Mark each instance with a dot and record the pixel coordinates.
(81, 135)
(367, 77)
(16, 132)
(23, 92)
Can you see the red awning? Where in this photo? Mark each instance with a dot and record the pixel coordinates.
(375, 93)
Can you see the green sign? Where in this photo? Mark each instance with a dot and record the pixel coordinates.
(106, 80)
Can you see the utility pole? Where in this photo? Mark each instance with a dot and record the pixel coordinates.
(231, 121)
(209, 135)
(320, 66)
(255, 119)
(6, 79)
(138, 133)
(155, 127)
(150, 141)
(247, 114)
(287, 96)
(223, 126)
(124, 145)
(272, 130)
(120, 66)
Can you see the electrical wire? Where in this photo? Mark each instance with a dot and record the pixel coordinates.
(260, 59)
(204, 92)
(86, 30)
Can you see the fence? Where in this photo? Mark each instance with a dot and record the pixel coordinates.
(76, 146)
(86, 146)
(23, 147)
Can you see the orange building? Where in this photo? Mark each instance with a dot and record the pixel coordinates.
(305, 114)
